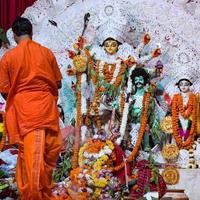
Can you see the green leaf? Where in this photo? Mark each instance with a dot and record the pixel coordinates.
(66, 162)
(4, 186)
(2, 174)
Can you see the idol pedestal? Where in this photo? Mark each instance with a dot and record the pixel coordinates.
(189, 182)
(175, 195)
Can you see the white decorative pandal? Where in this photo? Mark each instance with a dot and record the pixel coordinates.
(197, 152)
(191, 73)
(161, 18)
(2, 104)
(2, 51)
(183, 159)
(174, 24)
(110, 29)
(167, 26)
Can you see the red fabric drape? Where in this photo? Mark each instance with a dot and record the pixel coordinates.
(10, 9)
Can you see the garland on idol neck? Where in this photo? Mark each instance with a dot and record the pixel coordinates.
(143, 123)
(112, 76)
(101, 78)
(188, 111)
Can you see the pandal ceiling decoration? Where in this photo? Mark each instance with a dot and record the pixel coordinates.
(173, 24)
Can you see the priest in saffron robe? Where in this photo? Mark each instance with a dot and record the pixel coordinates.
(30, 79)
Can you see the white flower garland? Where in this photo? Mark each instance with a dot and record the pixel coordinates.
(116, 72)
(126, 107)
(83, 99)
(94, 156)
(83, 133)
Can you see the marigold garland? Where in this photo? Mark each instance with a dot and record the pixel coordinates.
(80, 154)
(171, 175)
(101, 183)
(93, 156)
(87, 120)
(95, 71)
(122, 103)
(99, 162)
(94, 106)
(190, 110)
(76, 144)
(96, 110)
(144, 118)
(3, 138)
(77, 183)
(94, 147)
(79, 62)
(108, 74)
(170, 152)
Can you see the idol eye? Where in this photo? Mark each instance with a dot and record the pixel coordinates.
(187, 84)
(180, 84)
(136, 79)
(114, 44)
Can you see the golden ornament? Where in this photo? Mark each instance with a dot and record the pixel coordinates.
(166, 125)
(170, 175)
(80, 63)
(170, 152)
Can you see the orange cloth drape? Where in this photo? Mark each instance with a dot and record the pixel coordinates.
(29, 73)
(38, 153)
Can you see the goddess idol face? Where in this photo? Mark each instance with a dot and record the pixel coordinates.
(184, 85)
(111, 46)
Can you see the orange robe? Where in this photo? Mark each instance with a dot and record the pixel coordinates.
(29, 74)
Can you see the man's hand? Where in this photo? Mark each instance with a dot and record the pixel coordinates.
(146, 39)
(130, 61)
(156, 52)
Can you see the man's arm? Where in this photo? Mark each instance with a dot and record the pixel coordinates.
(4, 76)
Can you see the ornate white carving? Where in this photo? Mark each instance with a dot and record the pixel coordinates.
(172, 23)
